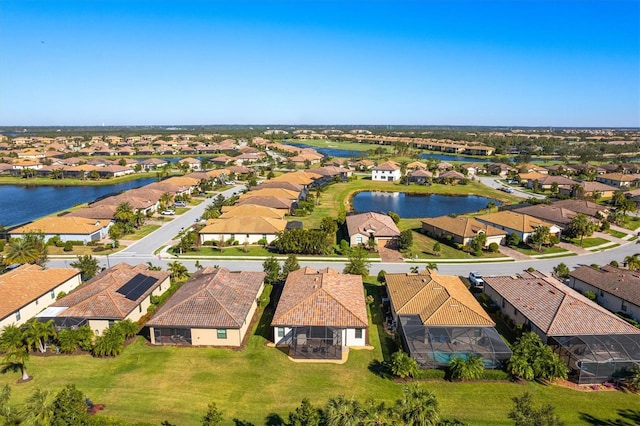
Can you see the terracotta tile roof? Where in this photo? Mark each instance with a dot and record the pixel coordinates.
(591, 186)
(322, 298)
(380, 225)
(136, 202)
(104, 212)
(330, 170)
(550, 213)
(211, 298)
(25, 283)
(182, 181)
(441, 300)
(451, 174)
(466, 227)
(62, 225)
(251, 210)
(622, 283)
(280, 184)
(620, 177)
(387, 166)
(273, 202)
(512, 220)
(98, 297)
(555, 308)
(244, 225)
(301, 177)
(583, 206)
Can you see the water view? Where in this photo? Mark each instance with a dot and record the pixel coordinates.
(22, 203)
(418, 205)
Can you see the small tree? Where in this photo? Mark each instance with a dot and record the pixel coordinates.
(290, 264)
(406, 239)
(305, 415)
(540, 237)
(525, 413)
(69, 408)
(437, 248)
(272, 268)
(213, 416)
(394, 216)
(561, 271)
(513, 239)
(88, 266)
(358, 263)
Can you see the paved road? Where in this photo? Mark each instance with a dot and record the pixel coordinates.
(142, 252)
(494, 182)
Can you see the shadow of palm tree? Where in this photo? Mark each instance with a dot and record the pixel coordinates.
(380, 369)
(627, 418)
(239, 422)
(274, 419)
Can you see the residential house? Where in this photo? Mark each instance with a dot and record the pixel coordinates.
(461, 229)
(616, 289)
(214, 307)
(618, 179)
(549, 213)
(321, 313)
(66, 227)
(500, 169)
(595, 343)
(194, 163)
(518, 223)
(250, 210)
(28, 289)
(584, 189)
(283, 205)
(438, 319)
(588, 208)
(115, 294)
(547, 182)
(451, 176)
(420, 176)
(372, 226)
(244, 229)
(388, 171)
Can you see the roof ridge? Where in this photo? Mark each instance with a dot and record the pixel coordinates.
(215, 299)
(366, 321)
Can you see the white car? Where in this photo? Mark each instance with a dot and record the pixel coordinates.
(476, 279)
(168, 212)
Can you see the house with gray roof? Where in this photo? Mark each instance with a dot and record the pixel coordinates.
(616, 289)
(213, 308)
(365, 226)
(595, 343)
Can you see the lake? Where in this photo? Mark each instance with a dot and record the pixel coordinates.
(418, 205)
(23, 203)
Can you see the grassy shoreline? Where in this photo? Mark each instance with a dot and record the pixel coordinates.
(38, 181)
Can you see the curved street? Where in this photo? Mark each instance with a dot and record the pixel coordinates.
(143, 250)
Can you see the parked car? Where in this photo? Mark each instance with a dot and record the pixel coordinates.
(507, 189)
(168, 212)
(180, 204)
(476, 279)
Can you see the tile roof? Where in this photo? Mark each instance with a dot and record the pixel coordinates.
(272, 192)
(273, 202)
(24, 284)
(62, 225)
(622, 283)
(554, 214)
(555, 308)
(211, 298)
(322, 298)
(301, 177)
(512, 220)
(387, 166)
(467, 227)
(280, 184)
(244, 225)
(439, 300)
(98, 297)
(105, 212)
(380, 225)
(250, 210)
(582, 206)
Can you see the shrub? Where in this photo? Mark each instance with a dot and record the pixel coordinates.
(614, 263)
(494, 247)
(402, 365)
(381, 275)
(605, 226)
(591, 295)
(430, 374)
(68, 246)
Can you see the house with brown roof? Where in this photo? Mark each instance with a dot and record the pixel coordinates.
(588, 189)
(546, 182)
(461, 229)
(250, 210)
(244, 229)
(616, 289)
(365, 226)
(618, 179)
(588, 208)
(214, 307)
(68, 228)
(283, 205)
(28, 289)
(387, 171)
(321, 313)
(438, 319)
(518, 223)
(595, 343)
(115, 294)
(559, 216)
(420, 176)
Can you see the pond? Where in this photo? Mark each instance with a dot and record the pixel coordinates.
(22, 203)
(419, 205)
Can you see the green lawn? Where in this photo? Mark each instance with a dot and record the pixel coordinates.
(153, 384)
(631, 222)
(616, 234)
(588, 242)
(525, 249)
(141, 233)
(231, 251)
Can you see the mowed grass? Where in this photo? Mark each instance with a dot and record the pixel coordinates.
(152, 384)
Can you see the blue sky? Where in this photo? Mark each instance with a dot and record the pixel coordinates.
(511, 63)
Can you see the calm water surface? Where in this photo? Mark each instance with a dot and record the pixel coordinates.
(20, 204)
(414, 205)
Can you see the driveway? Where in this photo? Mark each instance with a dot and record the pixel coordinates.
(389, 254)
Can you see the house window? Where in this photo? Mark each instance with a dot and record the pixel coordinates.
(624, 306)
(36, 302)
(111, 323)
(264, 236)
(358, 333)
(503, 303)
(280, 332)
(17, 315)
(53, 294)
(140, 307)
(222, 333)
(515, 312)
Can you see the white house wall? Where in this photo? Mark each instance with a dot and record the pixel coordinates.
(607, 300)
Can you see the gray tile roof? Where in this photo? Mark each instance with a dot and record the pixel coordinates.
(622, 283)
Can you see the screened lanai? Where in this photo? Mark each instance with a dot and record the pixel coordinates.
(316, 343)
(434, 347)
(595, 359)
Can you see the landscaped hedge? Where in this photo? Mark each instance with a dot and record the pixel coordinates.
(442, 374)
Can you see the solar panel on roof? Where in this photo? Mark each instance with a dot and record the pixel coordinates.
(137, 286)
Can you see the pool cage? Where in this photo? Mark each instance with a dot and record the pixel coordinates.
(596, 359)
(310, 342)
(434, 347)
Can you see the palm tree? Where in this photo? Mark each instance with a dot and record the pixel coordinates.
(402, 365)
(165, 200)
(124, 214)
(20, 250)
(418, 407)
(178, 271)
(15, 350)
(632, 262)
(374, 414)
(342, 412)
(138, 218)
(111, 343)
(38, 408)
(37, 333)
(466, 369)
(128, 328)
